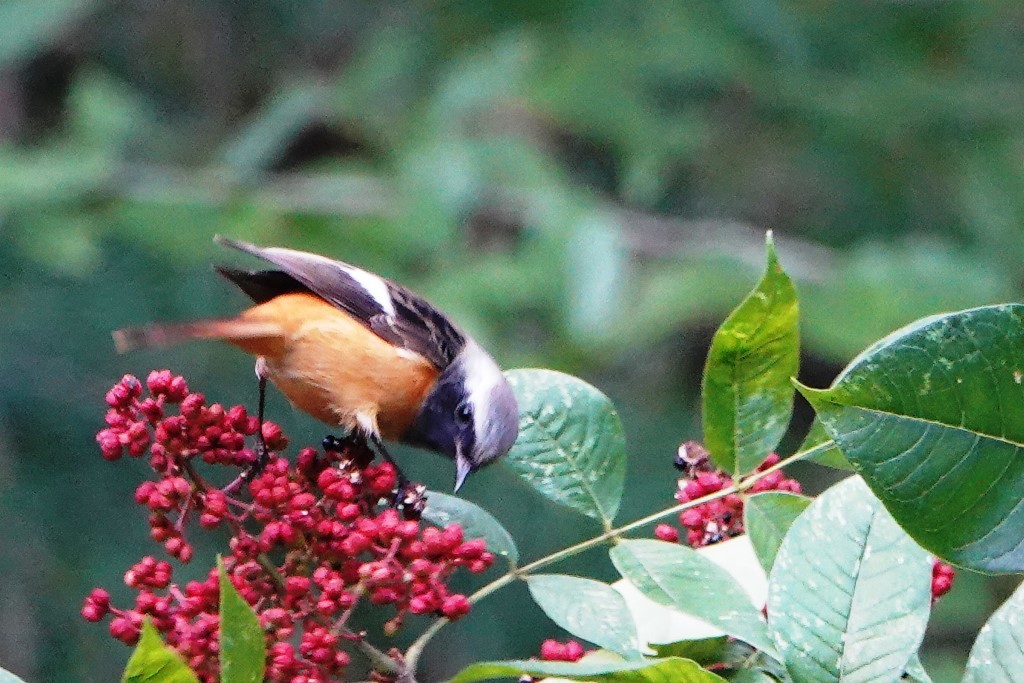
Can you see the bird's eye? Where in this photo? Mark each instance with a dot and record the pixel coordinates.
(464, 412)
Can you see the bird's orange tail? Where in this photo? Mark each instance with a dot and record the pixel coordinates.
(165, 334)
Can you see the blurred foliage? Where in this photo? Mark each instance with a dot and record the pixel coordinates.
(583, 184)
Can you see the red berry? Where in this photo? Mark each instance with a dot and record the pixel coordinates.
(573, 651)
(455, 606)
(552, 650)
(942, 579)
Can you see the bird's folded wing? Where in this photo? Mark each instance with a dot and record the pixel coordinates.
(394, 313)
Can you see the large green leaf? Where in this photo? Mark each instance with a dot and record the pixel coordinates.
(571, 447)
(932, 417)
(671, 670)
(154, 662)
(476, 522)
(998, 653)
(849, 593)
(747, 393)
(243, 650)
(820, 448)
(588, 609)
(767, 517)
(680, 577)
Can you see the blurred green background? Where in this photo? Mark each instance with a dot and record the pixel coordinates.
(584, 184)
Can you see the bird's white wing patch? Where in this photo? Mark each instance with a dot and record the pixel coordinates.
(375, 287)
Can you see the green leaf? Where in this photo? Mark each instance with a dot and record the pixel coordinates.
(154, 662)
(998, 652)
(702, 650)
(747, 392)
(243, 649)
(932, 417)
(476, 522)
(727, 655)
(826, 452)
(7, 677)
(849, 593)
(649, 671)
(915, 673)
(588, 609)
(571, 446)
(767, 517)
(680, 577)
(750, 676)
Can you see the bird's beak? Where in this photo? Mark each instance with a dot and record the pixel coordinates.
(462, 467)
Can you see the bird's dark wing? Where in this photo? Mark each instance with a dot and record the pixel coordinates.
(394, 313)
(262, 285)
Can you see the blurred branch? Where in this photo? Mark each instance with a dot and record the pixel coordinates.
(653, 236)
(358, 195)
(334, 194)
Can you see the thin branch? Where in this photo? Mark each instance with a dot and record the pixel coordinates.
(381, 661)
(415, 650)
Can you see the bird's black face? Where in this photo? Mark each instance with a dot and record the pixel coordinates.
(445, 423)
(470, 415)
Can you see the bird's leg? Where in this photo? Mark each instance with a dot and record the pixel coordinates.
(403, 481)
(262, 454)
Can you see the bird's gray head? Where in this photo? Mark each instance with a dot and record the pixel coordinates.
(470, 415)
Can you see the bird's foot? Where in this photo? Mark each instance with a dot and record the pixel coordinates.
(410, 500)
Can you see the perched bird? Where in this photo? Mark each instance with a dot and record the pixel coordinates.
(358, 351)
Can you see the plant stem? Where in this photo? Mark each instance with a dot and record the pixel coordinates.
(415, 650)
(381, 660)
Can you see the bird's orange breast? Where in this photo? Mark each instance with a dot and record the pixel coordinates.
(331, 366)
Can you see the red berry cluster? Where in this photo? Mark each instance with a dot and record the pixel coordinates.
(942, 579)
(137, 426)
(310, 541)
(718, 519)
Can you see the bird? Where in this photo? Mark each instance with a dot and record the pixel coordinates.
(358, 351)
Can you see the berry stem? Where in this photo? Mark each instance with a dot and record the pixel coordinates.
(415, 650)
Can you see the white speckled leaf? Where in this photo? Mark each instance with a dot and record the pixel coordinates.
(588, 609)
(915, 672)
(767, 517)
(680, 577)
(850, 593)
(7, 677)
(998, 653)
(932, 417)
(571, 447)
